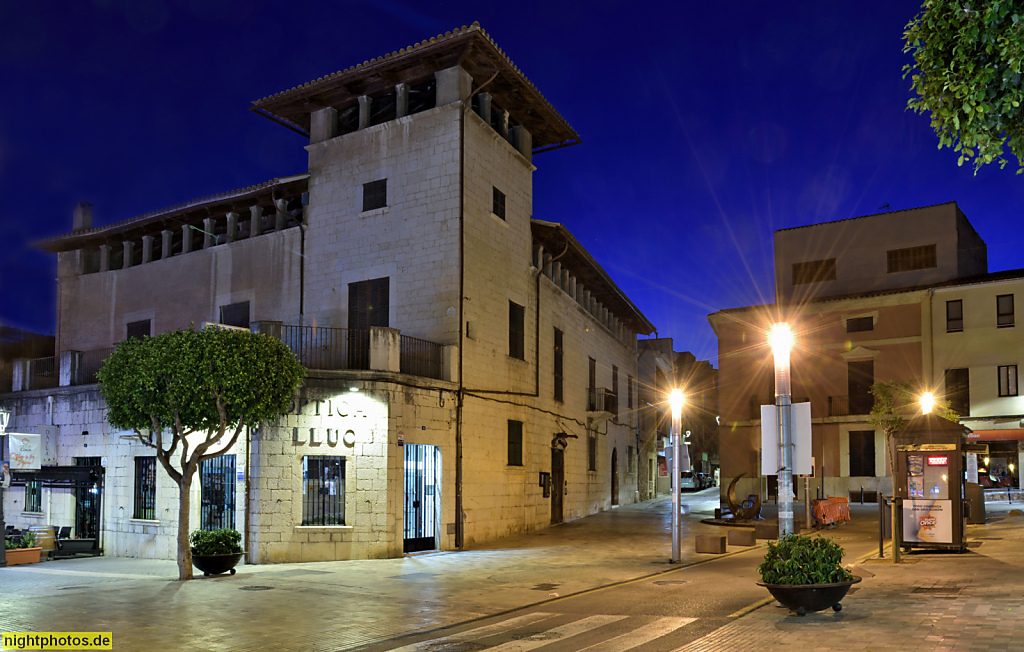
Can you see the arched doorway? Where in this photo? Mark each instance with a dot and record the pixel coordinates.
(615, 476)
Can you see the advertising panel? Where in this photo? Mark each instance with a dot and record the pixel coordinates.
(26, 451)
(927, 521)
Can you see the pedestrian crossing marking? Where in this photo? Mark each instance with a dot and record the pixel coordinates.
(639, 636)
(478, 632)
(558, 633)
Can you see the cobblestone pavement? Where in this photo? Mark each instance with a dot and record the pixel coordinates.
(971, 601)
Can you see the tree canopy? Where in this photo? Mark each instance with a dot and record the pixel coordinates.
(194, 392)
(967, 75)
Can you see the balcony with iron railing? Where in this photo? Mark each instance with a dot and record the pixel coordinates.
(317, 348)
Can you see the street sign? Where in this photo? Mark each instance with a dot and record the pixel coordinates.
(800, 418)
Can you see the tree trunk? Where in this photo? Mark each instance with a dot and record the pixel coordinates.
(184, 507)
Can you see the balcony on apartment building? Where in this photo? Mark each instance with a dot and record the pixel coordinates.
(317, 348)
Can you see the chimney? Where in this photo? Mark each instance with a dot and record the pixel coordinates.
(82, 219)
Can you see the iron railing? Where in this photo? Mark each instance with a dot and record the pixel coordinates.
(419, 357)
(89, 365)
(328, 348)
(43, 373)
(838, 406)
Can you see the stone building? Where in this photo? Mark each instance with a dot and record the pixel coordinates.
(472, 370)
(867, 299)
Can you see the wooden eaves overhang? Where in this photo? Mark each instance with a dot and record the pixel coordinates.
(470, 47)
(193, 212)
(559, 242)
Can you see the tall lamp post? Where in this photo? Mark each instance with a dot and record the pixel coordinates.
(781, 340)
(5, 416)
(675, 401)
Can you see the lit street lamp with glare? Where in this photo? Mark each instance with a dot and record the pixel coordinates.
(675, 401)
(927, 402)
(781, 340)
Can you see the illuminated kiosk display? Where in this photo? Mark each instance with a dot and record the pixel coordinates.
(929, 479)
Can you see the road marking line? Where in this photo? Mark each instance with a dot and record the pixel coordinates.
(641, 635)
(478, 632)
(557, 634)
(750, 607)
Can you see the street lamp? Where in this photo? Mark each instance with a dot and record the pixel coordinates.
(675, 401)
(5, 417)
(781, 340)
(927, 402)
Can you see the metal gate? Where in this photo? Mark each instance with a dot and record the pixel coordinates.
(422, 497)
(88, 494)
(217, 495)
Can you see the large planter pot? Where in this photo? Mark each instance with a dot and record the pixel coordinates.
(802, 598)
(23, 556)
(71, 547)
(217, 564)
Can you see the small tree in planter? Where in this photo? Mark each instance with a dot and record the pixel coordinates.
(216, 551)
(805, 573)
(188, 395)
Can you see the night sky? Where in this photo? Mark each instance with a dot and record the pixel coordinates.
(705, 126)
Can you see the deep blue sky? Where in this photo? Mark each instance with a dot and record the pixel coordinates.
(705, 126)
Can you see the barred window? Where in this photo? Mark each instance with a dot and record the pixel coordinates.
(911, 258)
(516, 330)
(145, 488)
(814, 271)
(592, 453)
(515, 443)
(375, 194)
(33, 495)
(955, 316)
(1004, 310)
(1008, 380)
(139, 328)
(323, 490)
(217, 493)
(498, 203)
(558, 365)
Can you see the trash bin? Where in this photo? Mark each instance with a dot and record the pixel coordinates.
(974, 496)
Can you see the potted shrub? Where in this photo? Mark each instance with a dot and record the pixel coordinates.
(216, 551)
(805, 573)
(23, 551)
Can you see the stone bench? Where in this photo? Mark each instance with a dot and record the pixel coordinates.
(741, 537)
(711, 543)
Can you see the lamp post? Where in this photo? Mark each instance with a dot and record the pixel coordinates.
(5, 416)
(927, 402)
(781, 340)
(675, 401)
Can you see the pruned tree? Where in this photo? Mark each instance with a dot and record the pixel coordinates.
(189, 395)
(967, 76)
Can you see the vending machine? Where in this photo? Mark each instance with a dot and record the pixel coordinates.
(929, 480)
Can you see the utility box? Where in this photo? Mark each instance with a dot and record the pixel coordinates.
(975, 497)
(929, 478)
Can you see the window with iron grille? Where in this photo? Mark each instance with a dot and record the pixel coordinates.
(33, 495)
(591, 384)
(615, 389)
(375, 194)
(145, 488)
(235, 314)
(498, 203)
(910, 259)
(958, 391)
(860, 324)
(862, 453)
(558, 362)
(217, 494)
(516, 330)
(814, 271)
(323, 490)
(139, 328)
(515, 443)
(955, 316)
(1008, 380)
(592, 453)
(1004, 310)
(629, 392)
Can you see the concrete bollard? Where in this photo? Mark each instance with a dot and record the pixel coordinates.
(741, 537)
(711, 543)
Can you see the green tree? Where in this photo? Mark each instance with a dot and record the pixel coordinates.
(189, 394)
(967, 74)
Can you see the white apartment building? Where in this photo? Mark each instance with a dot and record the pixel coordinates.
(472, 369)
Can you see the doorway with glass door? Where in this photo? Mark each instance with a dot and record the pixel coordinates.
(422, 498)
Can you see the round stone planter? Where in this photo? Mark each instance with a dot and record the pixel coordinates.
(217, 564)
(802, 598)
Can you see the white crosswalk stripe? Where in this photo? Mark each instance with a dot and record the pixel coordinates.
(643, 631)
(641, 635)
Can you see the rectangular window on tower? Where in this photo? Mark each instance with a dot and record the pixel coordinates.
(615, 391)
(559, 360)
(516, 331)
(515, 443)
(591, 453)
(375, 194)
(498, 203)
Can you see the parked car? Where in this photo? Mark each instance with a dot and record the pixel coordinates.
(688, 480)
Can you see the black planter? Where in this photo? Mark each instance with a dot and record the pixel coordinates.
(216, 564)
(802, 598)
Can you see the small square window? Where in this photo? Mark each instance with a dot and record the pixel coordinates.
(1004, 310)
(955, 316)
(498, 204)
(375, 194)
